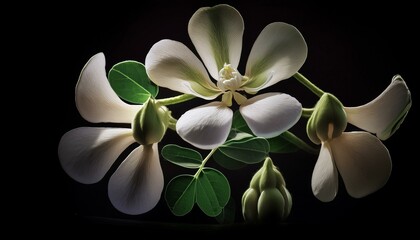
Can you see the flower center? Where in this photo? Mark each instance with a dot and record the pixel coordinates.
(230, 80)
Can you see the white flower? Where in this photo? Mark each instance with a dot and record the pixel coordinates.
(362, 160)
(87, 153)
(216, 33)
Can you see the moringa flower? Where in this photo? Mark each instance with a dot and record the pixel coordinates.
(216, 33)
(87, 153)
(362, 159)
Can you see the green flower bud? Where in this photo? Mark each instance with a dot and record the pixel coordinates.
(255, 181)
(150, 123)
(327, 121)
(268, 178)
(271, 206)
(266, 199)
(249, 205)
(280, 180)
(287, 201)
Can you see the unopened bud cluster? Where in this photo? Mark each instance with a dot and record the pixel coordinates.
(266, 199)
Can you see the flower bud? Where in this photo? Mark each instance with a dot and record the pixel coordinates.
(327, 121)
(271, 206)
(150, 123)
(266, 199)
(255, 181)
(269, 175)
(250, 204)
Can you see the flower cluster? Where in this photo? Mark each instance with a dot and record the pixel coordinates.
(235, 139)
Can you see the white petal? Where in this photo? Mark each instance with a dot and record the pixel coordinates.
(270, 114)
(277, 54)
(384, 114)
(137, 184)
(95, 99)
(325, 177)
(363, 162)
(86, 153)
(172, 65)
(216, 33)
(206, 126)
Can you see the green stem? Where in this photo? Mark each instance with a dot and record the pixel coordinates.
(307, 112)
(308, 84)
(172, 123)
(300, 143)
(204, 162)
(175, 100)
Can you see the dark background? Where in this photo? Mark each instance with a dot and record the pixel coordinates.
(353, 52)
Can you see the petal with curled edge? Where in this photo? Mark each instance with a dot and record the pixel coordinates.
(96, 100)
(383, 115)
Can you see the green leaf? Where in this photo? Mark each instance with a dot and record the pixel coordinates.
(227, 162)
(227, 216)
(229, 154)
(213, 191)
(246, 149)
(131, 83)
(238, 137)
(280, 144)
(184, 157)
(180, 194)
(239, 124)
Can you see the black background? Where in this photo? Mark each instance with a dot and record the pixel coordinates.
(353, 52)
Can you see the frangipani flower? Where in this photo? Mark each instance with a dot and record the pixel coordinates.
(87, 153)
(216, 33)
(362, 160)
